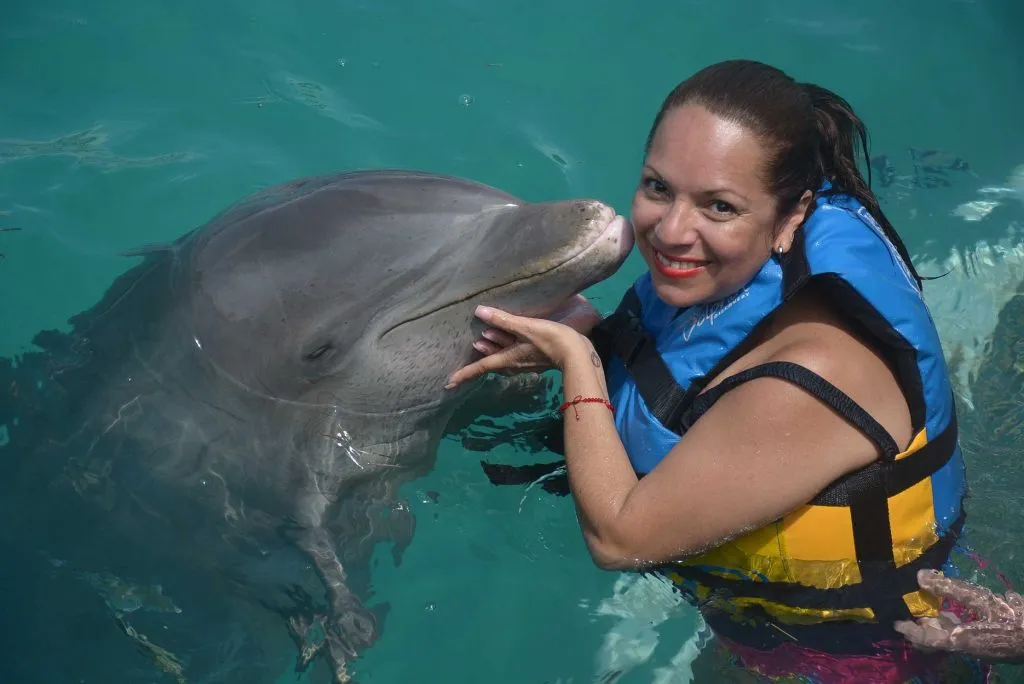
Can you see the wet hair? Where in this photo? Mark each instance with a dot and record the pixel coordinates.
(812, 133)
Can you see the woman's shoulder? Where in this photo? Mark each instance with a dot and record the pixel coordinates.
(811, 331)
(795, 409)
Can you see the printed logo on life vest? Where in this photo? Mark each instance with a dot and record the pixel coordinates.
(708, 313)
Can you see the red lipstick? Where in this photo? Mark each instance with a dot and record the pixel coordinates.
(670, 267)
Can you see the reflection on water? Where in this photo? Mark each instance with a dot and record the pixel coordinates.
(91, 147)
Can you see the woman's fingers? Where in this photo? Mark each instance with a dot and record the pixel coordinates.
(514, 343)
(499, 337)
(509, 323)
(522, 357)
(487, 347)
(473, 370)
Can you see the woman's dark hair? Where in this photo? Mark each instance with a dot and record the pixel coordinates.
(812, 132)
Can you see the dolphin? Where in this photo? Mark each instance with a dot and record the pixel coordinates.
(272, 378)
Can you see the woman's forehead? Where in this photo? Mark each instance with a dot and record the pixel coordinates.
(694, 146)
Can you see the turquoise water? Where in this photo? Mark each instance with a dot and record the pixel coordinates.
(129, 123)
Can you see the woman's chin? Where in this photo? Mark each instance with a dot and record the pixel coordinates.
(680, 294)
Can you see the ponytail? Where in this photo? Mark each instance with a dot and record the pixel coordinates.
(839, 132)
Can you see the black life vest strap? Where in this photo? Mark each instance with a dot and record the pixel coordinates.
(815, 385)
(623, 333)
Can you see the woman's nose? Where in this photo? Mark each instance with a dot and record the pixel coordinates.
(677, 225)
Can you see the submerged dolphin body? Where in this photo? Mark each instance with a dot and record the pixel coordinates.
(272, 378)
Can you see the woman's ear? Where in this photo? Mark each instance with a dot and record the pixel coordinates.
(784, 239)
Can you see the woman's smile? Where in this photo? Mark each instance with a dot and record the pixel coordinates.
(678, 267)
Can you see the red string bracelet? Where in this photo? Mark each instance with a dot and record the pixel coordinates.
(579, 399)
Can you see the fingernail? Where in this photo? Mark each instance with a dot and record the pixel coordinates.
(483, 311)
(489, 334)
(479, 346)
(449, 385)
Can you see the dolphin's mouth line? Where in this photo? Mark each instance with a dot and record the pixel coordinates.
(339, 407)
(612, 225)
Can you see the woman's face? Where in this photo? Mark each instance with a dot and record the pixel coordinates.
(703, 216)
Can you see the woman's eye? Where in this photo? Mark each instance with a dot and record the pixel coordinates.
(655, 186)
(722, 207)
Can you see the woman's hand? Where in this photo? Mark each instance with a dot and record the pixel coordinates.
(996, 632)
(576, 312)
(522, 343)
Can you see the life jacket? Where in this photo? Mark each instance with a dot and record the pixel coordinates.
(850, 555)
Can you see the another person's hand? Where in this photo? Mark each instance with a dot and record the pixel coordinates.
(995, 633)
(524, 344)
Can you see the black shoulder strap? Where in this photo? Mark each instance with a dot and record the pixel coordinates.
(623, 333)
(816, 385)
(894, 475)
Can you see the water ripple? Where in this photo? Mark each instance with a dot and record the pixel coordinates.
(89, 147)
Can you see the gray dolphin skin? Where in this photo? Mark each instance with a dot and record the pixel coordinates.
(269, 380)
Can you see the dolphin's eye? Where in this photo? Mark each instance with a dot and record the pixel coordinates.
(318, 352)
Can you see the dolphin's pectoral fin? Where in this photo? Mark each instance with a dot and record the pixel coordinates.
(545, 474)
(311, 634)
(349, 627)
(348, 633)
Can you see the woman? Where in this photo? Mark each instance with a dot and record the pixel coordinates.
(782, 438)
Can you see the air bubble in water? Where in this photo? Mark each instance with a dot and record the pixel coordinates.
(466, 100)
(340, 62)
